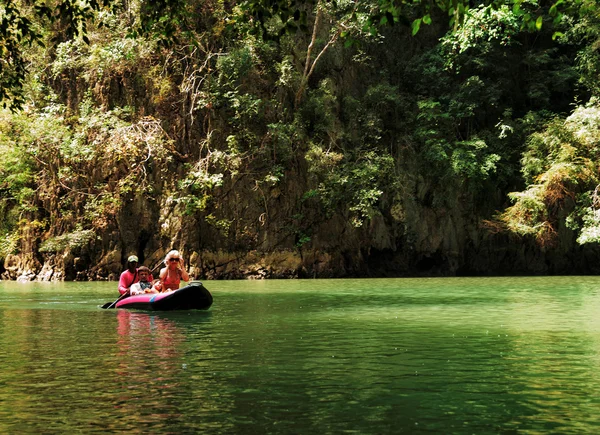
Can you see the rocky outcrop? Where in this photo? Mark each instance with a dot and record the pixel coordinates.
(258, 238)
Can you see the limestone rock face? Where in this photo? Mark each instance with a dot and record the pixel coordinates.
(274, 233)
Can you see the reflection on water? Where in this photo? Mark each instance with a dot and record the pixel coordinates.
(148, 347)
(142, 335)
(493, 355)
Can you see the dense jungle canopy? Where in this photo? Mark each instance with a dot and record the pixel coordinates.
(268, 139)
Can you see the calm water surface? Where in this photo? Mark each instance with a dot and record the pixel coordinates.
(475, 355)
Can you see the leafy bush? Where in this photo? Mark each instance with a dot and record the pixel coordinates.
(68, 242)
(461, 160)
(9, 243)
(562, 163)
(64, 168)
(470, 160)
(353, 186)
(483, 27)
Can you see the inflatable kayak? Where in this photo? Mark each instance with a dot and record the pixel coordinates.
(193, 296)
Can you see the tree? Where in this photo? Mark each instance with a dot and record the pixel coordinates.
(21, 23)
(21, 26)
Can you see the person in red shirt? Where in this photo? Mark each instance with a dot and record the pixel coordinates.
(130, 276)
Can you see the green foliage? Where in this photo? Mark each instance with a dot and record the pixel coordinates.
(228, 93)
(586, 32)
(553, 145)
(283, 138)
(469, 160)
(222, 225)
(17, 181)
(590, 226)
(375, 117)
(562, 161)
(69, 241)
(165, 20)
(16, 31)
(477, 87)
(16, 164)
(303, 239)
(527, 216)
(20, 27)
(318, 112)
(482, 28)
(351, 168)
(467, 99)
(116, 116)
(99, 210)
(79, 168)
(101, 60)
(234, 67)
(9, 243)
(355, 186)
(247, 139)
(493, 47)
(196, 188)
(272, 19)
(169, 21)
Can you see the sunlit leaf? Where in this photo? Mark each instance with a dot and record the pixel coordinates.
(416, 25)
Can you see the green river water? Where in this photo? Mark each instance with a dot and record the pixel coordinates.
(370, 356)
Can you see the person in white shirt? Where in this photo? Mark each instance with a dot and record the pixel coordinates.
(144, 285)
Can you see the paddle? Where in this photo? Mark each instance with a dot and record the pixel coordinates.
(160, 263)
(110, 304)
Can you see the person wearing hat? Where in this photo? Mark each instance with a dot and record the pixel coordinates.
(130, 276)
